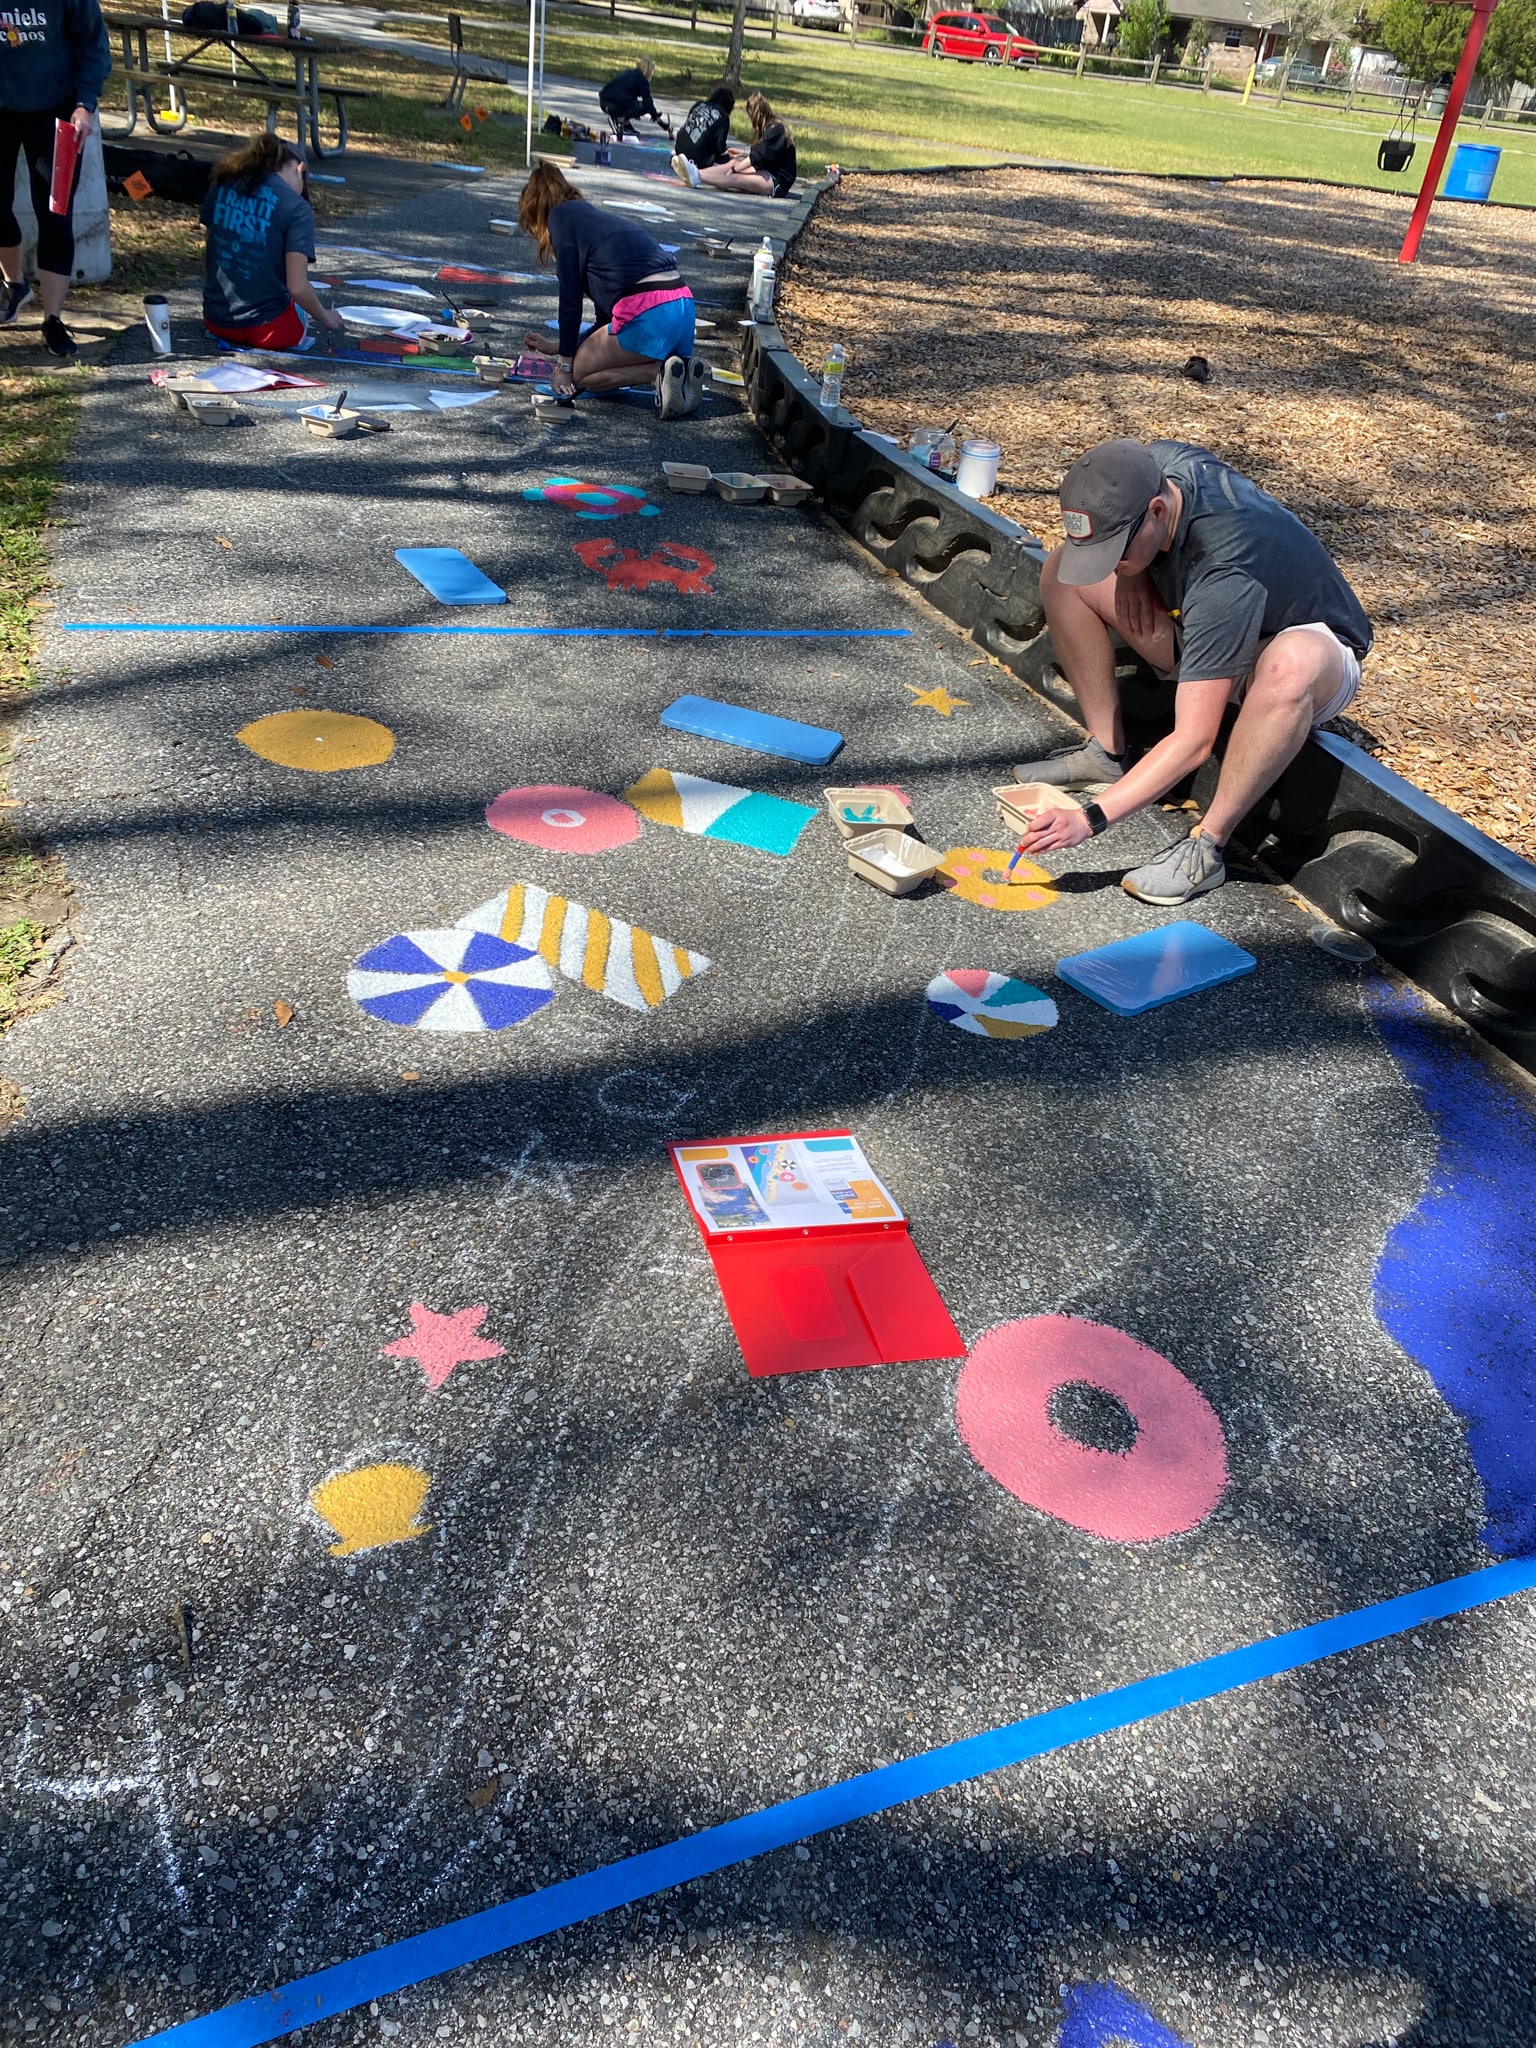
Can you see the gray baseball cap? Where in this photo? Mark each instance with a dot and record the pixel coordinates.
(1104, 497)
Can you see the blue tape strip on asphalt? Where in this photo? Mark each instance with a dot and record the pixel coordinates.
(530, 632)
(344, 1986)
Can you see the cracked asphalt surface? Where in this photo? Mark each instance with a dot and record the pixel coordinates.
(653, 1593)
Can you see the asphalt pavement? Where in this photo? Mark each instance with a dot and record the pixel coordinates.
(631, 1591)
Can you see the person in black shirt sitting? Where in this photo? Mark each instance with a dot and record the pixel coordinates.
(706, 132)
(625, 98)
(768, 167)
(645, 314)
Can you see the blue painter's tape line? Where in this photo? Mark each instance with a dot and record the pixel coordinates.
(272, 2014)
(523, 632)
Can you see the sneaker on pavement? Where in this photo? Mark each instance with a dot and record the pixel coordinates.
(685, 168)
(1086, 767)
(16, 296)
(679, 386)
(1185, 870)
(57, 338)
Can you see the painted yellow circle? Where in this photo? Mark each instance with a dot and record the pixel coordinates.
(373, 1506)
(975, 874)
(318, 740)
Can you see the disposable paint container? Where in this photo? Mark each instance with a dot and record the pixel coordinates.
(686, 476)
(786, 490)
(739, 487)
(1018, 803)
(329, 425)
(864, 808)
(212, 412)
(893, 861)
(977, 474)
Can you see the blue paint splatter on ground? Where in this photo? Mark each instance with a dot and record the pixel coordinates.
(1454, 1283)
(1101, 2016)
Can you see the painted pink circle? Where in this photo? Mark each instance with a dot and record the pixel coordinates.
(563, 819)
(1169, 1480)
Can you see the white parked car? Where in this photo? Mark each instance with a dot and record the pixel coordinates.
(818, 13)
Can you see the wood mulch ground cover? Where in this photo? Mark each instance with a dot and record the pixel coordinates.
(1393, 408)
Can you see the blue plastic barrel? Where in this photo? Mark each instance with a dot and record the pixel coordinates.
(1471, 172)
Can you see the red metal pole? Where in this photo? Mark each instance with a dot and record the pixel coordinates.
(1482, 12)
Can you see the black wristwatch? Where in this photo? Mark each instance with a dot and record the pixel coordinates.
(1097, 822)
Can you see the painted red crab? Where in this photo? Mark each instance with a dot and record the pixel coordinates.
(684, 568)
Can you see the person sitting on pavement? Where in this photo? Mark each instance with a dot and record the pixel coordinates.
(705, 134)
(645, 314)
(261, 241)
(52, 68)
(1214, 582)
(768, 167)
(626, 98)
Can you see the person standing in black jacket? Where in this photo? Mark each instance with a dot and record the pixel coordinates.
(626, 98)
(54, 60)
(706, 133)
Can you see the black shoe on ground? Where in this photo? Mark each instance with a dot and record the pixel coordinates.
(57, 338)
(16, 296)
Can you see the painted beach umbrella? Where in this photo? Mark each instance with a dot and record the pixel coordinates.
(990, 1005)
(450, 981)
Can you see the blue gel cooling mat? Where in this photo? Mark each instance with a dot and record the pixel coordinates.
(1155, 967)
(451, 577)
(785, 737)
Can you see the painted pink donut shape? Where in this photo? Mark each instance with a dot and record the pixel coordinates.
(1169, 1480)
(563, 819)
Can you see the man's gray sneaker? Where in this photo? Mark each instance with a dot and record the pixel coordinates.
(16, 296)
(1084, 767)
(1185, 870)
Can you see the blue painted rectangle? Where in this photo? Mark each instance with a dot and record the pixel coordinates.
(1142, 973)
(451, 577)
(758, 731)
(772, 824)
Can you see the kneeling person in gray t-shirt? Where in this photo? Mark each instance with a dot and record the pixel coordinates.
(1210, 580)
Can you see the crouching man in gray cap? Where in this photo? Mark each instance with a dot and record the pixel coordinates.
(1211, 580)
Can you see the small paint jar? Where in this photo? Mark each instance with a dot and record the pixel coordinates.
(977, 476)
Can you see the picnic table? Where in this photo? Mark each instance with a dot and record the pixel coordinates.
(145, 75)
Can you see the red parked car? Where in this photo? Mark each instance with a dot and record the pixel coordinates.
(980, 38)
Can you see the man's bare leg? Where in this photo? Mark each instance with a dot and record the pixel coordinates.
(1080, 618)
(1297, 673)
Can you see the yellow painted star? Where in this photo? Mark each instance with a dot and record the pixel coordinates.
(937, 699)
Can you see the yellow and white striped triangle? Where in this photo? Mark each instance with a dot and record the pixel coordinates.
(603, 953)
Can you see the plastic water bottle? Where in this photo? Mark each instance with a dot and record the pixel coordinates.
(832, 377)
(765, 279)
(762, 260)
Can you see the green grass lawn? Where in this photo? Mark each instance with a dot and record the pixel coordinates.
(877, 105)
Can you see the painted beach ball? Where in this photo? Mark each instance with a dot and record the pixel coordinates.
(990, 1005)
(450, 981)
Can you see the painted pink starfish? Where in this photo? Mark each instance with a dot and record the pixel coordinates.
(439, 1343)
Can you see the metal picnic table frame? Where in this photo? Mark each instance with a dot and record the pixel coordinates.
(141, 74)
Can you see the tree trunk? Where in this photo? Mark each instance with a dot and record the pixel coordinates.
(732, 71)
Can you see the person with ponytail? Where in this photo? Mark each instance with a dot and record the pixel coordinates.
(261, 242)
(645, 313)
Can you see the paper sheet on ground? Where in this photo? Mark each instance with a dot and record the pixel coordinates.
(446, 401)
(229, 377)
(783, 1183)
(385, 284)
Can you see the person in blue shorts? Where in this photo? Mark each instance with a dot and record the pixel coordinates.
(645, 313)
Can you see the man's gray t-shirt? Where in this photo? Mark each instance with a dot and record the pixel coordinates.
(245, 282)
(1242, 568)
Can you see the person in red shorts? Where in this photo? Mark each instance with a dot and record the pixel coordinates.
(261, 242)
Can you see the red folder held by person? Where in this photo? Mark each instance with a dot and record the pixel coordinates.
(66, 154)
(814, 1260)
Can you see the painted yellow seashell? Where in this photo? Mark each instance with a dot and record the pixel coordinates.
(318, 741)
(373, 1506)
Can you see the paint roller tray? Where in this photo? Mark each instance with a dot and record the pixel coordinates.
(864, 808)
(894, 861)
(686, 476)
(332, 426)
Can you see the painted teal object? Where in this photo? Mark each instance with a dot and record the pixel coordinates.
(1454, 1282)
(451, 577)
(758, 731)
(773, 824)
(1156, 967)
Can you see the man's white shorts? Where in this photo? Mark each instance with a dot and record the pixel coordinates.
(1349, 682)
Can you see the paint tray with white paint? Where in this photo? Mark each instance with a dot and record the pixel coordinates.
(893, 861)
(866, 807)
